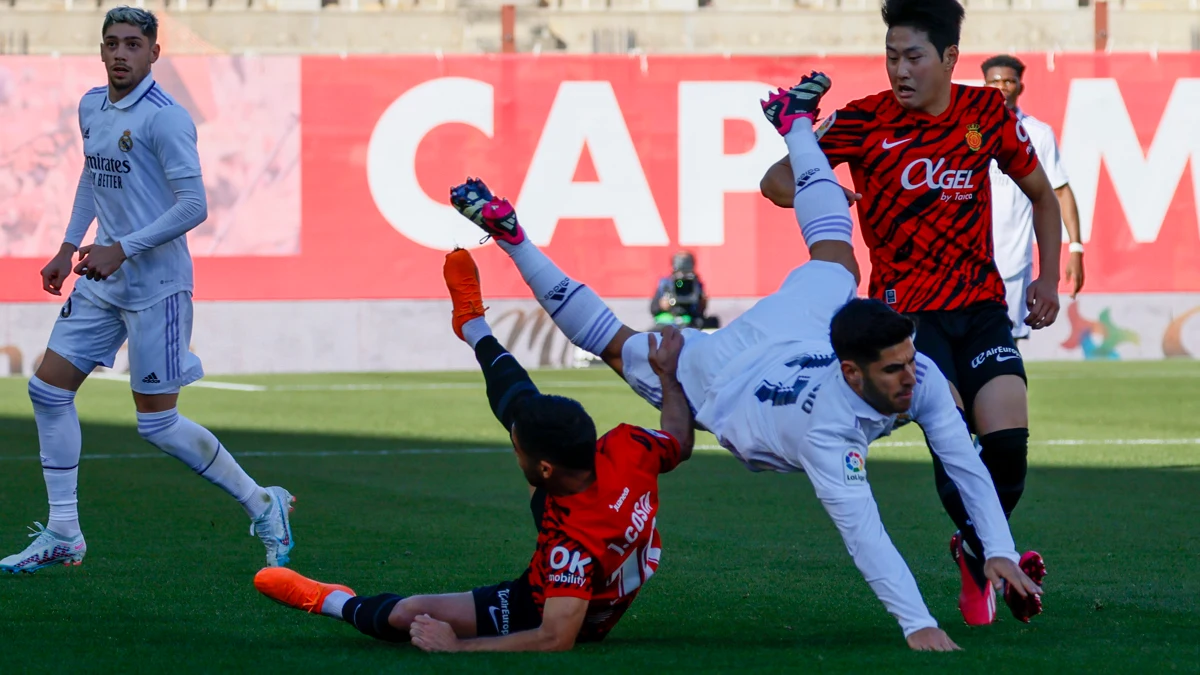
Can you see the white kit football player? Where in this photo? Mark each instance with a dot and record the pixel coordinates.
(141, 180)
(1012, 212)
(803, 381)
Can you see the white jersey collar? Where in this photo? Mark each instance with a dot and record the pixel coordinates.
(138, 93)
(861, 408)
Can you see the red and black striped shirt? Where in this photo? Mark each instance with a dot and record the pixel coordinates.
(602, 544)
(926, 209)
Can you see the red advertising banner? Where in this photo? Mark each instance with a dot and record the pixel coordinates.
(328, 177)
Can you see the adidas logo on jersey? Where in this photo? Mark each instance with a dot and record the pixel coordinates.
(152, 378)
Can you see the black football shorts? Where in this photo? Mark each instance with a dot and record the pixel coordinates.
(971, 346)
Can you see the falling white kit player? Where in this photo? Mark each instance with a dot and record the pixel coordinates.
(141, 180)
(781, 389)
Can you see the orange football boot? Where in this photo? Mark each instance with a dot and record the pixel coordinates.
(462, 280)
(293, 589)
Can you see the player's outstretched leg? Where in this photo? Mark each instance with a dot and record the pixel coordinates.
(60, 541)
(507, 382)
(386, 616)
(820, 202)
(298, 591)
(576, 309)
(269, 508)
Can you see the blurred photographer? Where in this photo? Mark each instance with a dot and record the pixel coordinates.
(680, 299)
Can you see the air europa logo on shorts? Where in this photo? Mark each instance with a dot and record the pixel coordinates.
(924, 173)
(1001, 353)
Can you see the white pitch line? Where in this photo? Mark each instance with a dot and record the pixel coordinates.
(499, 450)
(428, 386)
(203, 384)
(411, 386)
(299, 453)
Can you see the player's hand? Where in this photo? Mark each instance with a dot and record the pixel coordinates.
(1042, 300)
(999, 570)
(99, 262)
(432, 635)
(1075, 273)
(664, 355)
(932, 640)
(57, 270)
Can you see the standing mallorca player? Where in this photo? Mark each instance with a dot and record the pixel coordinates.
(141, 180)
(920, 155)
(1012, 212)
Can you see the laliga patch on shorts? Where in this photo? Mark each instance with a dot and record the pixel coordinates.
(855, 466)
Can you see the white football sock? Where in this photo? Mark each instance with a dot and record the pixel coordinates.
(196, 447)
(475, 330)
(334, 602)
(576, 309)
(59, 442)
(819, 203)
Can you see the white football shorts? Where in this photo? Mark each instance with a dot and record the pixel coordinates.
(1015, 288)
(90, 331)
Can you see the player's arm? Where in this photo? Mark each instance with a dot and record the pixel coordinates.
(83, 212)
(562, 618)
(173, 140)
(941, 419)
(1047, 228)
(1051, 161)
(851, 506)
(676, 413)
(1016, 157)
(1070, 216)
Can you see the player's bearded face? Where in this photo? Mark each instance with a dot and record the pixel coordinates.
(127, 55)
(888, 382)
(919, 76)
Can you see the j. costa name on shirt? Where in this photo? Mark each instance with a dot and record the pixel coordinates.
(107, 171)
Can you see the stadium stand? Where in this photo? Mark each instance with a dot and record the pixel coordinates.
(590, 26)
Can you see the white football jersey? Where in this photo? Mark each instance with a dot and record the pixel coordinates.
(785, 406)
(1012, 212)
(132, 148)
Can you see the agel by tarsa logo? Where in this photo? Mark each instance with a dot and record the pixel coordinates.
(924, 173)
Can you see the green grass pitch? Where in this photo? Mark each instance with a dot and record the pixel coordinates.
(407, 485)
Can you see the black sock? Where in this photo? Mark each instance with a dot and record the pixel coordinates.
(370, 616)
(953, 504)
(1006, 455)
(507, 382)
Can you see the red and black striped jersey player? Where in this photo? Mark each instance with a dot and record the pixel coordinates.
(919, 154)
(595, 504)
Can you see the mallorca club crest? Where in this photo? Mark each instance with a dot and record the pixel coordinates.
(974, 138)
(125, 143)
